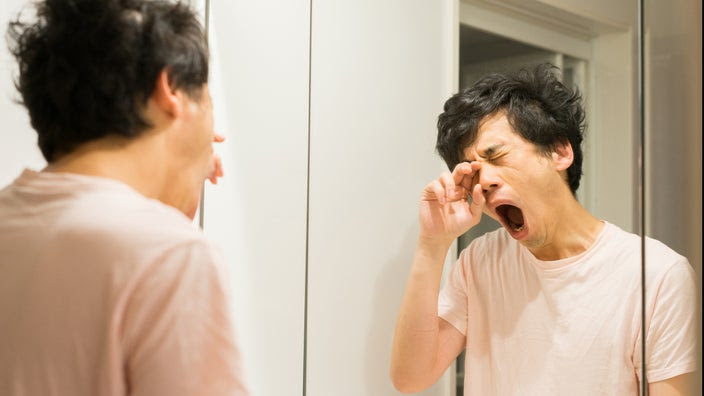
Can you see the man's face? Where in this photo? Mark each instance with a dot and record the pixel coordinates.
(523, 188)
(201, 121)
(195, 150)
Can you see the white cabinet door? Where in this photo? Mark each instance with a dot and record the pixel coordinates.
(257, 212)
(381, 72)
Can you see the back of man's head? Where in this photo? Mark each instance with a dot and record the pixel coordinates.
(88, 67)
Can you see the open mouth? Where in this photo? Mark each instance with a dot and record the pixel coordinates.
(512, 217)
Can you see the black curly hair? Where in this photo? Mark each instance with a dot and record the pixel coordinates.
(88, 67)
(538, 106)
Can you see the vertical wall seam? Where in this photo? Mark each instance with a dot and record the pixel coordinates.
(641, 130)
(305, 301)
(206, 27)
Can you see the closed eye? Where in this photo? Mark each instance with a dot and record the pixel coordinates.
(497, 159)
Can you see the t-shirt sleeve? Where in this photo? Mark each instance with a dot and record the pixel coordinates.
(177, 334)
(671, 342)
(452, 302)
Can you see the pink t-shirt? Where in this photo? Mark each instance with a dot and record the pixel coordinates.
(106, 292)
(571, 326)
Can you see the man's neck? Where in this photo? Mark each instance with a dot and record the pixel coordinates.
(575, 230)
(134, 162)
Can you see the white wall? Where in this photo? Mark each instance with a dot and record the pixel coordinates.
(611, 161)
(473, 71)
(381, 72)
(257, 213)
(604, 12)
(18, 141)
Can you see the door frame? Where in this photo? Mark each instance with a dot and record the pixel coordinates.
(610, 164)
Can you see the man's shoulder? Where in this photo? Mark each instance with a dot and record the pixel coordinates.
(136, 237)
(657, 253)
(100, 216)
(133, 220)
(104, 230)
(659, 250)
(626, 249)
(492, 247)
(662, 261)
(492, 240)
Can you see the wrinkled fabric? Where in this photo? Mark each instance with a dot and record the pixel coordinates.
(571, 326)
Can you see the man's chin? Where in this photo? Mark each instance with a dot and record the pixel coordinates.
(190, 206)
(191, 213)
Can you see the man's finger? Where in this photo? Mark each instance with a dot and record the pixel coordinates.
(447, 181)
(464, 174)
(434, 192)
(478, 200)
(217, 170)
(461, 170)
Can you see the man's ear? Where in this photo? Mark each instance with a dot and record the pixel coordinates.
(562, 156)
(165, 97)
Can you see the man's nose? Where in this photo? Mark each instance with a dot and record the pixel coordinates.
(489, 178)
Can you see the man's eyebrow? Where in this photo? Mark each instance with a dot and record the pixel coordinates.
(488, 152)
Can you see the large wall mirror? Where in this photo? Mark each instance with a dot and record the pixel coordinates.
(330, 110)
(346, 95)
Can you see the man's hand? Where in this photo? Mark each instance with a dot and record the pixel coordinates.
(216, 163)
(445, 211)
(424, 345)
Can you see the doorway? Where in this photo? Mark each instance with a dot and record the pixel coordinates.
(483, 52)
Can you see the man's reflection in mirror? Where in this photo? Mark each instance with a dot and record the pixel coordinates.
(549, 304)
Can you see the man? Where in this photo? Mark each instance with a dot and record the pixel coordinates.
(106, 286)
(550, 303)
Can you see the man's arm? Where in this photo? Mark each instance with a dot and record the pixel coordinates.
(676, 386)
(424, 345)
(671, 340)
(177, 332)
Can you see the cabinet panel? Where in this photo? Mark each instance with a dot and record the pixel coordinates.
(381, 72)
(257, 212)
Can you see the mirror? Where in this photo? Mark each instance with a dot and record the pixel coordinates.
(346, 95)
